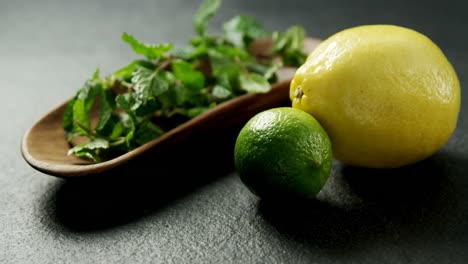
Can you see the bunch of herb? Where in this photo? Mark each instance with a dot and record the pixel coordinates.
(149, 96)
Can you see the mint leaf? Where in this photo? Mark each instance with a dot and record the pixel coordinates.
(205, 12)
(294, 57)
(67, 121)
(175, 95)
(297, 36)
(76, 119)
(96, 75)
(254, 83)
(195, 111)
(223, 80)
(145, 106)
(183, 53)
(127, 122)
(218, 60)
(271, 71)
(150, 51)
(187, 75)
(117, 129)
(97, 143)
(107, 108)
(82, 107)
(232, 52)
(242, 30)
(280, 40)
(126, 101)
(81, 119)
(126, 72)
(224, 65)
(268, 71)
(146, 132)
(289, 45)
(228, 75)
(158, 85)
(221, 92)
(148, 85)
(89, 155)
(88, 94)
(142, 79)
(91, 149)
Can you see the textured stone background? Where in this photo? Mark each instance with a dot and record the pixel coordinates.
(195, 209)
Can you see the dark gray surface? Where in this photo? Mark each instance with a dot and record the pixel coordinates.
(205, 214)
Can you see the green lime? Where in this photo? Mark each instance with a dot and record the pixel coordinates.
(283, 151)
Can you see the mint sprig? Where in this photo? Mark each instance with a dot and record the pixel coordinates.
(146, 98)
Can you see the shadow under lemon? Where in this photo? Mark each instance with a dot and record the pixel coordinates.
(359, 205)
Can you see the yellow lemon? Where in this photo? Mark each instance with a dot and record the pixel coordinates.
(386, 95)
